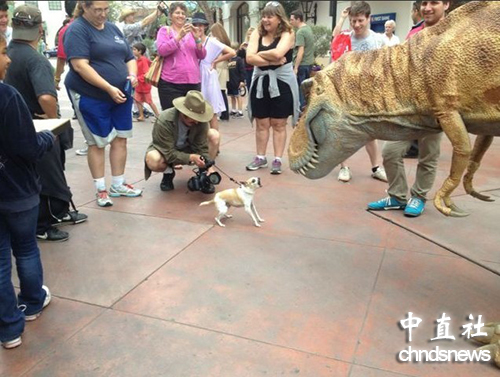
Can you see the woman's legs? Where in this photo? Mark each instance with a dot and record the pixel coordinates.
(279, 136)
(262, 135)
(372, 150)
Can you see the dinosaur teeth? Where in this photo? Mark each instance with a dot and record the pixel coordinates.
(309, 165)
(313, 160)
(302, 171)
(305, 168)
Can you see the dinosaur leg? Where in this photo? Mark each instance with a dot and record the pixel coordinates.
(481, 145)
(454, 127)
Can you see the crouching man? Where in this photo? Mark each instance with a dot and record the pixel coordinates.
(182, 136)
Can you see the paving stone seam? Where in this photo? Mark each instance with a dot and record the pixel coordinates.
(378, 369)
(190, 325)
(459, 254)
(360, 332)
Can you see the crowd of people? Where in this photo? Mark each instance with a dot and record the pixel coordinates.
(200, 67)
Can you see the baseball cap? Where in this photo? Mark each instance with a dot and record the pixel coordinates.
(25, 23)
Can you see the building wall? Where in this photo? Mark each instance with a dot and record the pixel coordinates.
(53, 19)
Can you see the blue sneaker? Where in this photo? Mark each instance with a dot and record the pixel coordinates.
(386, 204)
(415, 207)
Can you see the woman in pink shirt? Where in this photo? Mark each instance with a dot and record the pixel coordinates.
(181, 47)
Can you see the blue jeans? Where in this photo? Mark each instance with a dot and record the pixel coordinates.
(18, 233)
(303, 73)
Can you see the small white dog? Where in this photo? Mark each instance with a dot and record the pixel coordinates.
(240, 197)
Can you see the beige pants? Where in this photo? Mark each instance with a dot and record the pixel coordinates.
(429, 148)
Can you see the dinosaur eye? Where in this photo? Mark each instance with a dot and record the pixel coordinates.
(319, 90)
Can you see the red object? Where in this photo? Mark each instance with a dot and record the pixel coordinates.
(60, 45)
(143, 65)
(340, 45)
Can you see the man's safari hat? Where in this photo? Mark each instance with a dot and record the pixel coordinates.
(125, 13)
(25, 23)
(194, 106)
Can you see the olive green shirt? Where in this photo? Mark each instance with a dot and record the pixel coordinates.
(166, 135)
(304, 37)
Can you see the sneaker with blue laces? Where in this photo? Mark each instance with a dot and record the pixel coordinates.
(386, 204)
(415, 207)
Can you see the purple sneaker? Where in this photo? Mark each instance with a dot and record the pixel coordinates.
(276, 167)
(257, 163)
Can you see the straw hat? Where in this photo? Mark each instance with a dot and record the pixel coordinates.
(194, 106)
(125, 13)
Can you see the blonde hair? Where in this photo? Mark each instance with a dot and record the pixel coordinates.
(78, 12)
(219, 32)
(249, 33)
(275, 10)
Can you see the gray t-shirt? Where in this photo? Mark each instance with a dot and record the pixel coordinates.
(371, 42)
(133, 33)
(182, 136)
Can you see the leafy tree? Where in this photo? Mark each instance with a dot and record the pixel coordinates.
(322, 40)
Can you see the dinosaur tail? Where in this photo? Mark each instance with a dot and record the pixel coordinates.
(206, 203)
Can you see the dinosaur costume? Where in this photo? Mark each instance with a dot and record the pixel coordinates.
(445, 78)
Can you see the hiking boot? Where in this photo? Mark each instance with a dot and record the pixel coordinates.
(46, 302)
(103, 199)
(276, 167)
(82, 152)
(257, 163)
(9, 344)
(415, 207)
(72, 217)
(386, 204)
(380, 174)
(124, 190)
(345, 174)
(53, 235)
(167, 182)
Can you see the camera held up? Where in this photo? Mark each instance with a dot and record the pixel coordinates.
(203, 181)
(162, 7)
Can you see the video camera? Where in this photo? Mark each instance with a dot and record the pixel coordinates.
(203, 181)
(164, 10)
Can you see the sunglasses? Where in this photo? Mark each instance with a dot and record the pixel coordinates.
(18, 20)
(273, 4)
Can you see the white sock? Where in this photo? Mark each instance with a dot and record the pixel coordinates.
(100, 184)
(168, 170)
(118, 180)
(277, 158)
(261, 157)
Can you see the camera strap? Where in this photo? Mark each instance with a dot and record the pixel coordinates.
(239, 183)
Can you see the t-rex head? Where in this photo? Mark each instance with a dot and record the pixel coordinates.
(322, 138)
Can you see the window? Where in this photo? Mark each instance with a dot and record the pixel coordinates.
(55, 5)
(32, 3)
(242, 22)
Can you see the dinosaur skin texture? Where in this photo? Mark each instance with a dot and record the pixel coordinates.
(445, 78)
(492, 340)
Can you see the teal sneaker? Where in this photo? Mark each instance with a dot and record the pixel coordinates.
(386, 204)
(415, 207)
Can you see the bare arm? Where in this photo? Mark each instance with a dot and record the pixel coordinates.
(298, 59)
(48, 103)
(227, 54)
(340, 23)
(252, 56)
(132, 72)
(285, 44)
(149, 19)
(59, 71)
(89, 74)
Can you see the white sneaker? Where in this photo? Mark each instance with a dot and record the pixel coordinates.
(345, 174)
(380, 174)
(82, 152)
(46, 302)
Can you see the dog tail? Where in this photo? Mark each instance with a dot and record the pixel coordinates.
(206, 203)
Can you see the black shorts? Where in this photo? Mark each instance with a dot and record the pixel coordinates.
(168, 91)
(279, 107)
(233, 91)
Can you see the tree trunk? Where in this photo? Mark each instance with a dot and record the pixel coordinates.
(205, 7)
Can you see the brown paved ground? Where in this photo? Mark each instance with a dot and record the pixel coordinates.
(151, 286)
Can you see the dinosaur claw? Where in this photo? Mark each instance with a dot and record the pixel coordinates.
(484, 198)
(457, 212)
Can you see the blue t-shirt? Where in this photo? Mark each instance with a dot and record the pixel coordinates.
(107, 52)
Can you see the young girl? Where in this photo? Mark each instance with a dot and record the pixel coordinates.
(143, 90)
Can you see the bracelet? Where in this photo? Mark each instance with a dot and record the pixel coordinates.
(57, 79)
(198, 40)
